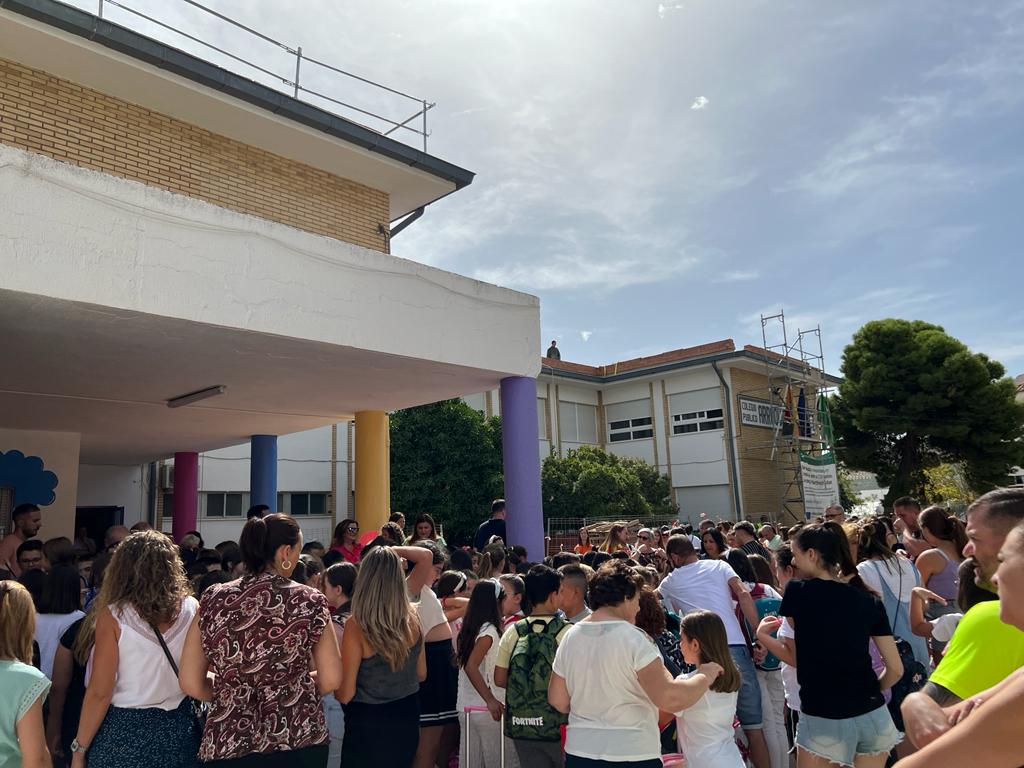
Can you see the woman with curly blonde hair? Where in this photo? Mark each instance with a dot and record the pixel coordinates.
(135, 713)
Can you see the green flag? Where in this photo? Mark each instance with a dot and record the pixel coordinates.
(825, 420)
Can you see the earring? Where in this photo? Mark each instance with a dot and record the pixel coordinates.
(286, 564)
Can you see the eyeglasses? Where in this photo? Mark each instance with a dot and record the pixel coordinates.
(833, 516)
(353, 529)
(644, 538)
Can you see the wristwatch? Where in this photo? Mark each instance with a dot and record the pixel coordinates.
(76, 747)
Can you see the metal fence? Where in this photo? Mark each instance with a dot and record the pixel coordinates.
(563, 532)
(301, 77)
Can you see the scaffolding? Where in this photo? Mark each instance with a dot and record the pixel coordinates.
(797, 391)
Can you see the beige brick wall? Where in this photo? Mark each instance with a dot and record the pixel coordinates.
(42, 113)
(761, 477)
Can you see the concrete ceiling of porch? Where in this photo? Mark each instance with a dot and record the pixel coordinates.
(107, 374)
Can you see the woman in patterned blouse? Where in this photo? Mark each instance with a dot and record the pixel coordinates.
(260, 636)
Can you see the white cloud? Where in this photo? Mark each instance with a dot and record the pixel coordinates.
(737, 276)
(884, 148)
(585, 335)
(701, 102)
(664, 10)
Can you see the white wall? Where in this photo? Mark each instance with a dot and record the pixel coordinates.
(226, 469)
(58, 452)
(71, 233)
(113, 486)
(304, 461)
(638, 449)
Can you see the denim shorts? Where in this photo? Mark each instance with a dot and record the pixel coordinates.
(748, 705)
(840, 741)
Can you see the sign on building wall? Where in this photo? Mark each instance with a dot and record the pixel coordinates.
(820, 483)
(759, 413)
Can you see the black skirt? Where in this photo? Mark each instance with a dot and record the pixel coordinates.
(142, 738)
(440, 691)
(381, 735)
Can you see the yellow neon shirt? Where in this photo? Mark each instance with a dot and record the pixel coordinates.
(981, 653)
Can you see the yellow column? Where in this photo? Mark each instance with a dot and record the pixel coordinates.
(373, 470)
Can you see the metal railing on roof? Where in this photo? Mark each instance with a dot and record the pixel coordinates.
(415, 123)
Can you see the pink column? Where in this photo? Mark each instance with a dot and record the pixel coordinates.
(186, 494)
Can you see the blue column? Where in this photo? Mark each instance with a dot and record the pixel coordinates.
(521, 459)
(263, 471)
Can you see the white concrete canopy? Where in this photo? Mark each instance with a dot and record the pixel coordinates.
(118, 296)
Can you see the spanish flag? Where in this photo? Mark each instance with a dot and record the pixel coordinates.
(790, 414)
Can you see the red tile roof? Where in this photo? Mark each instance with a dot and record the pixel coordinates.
(638, 363)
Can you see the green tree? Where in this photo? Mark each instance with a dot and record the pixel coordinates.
(589, 482)
(946, 484)
(446, 460)
(913, 397)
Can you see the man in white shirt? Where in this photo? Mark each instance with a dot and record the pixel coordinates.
(713, 585)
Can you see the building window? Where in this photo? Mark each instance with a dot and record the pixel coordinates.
(577, 423)
(224, 504)
(629, 421)
(697, 421)
(302, 504)
(697, 411)
(542, 420)
(1018, 479)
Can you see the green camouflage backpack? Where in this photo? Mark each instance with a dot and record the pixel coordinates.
(527, 712)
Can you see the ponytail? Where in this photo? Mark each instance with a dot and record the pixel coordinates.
(262, 536)
(829, 540)
(942, 525)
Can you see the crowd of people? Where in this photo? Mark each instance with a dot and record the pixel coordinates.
(842, 641)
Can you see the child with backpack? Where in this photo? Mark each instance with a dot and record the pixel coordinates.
(523, 667)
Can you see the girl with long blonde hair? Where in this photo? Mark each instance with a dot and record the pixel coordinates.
(383, 663)
(615, 539)
(22, 739)
(134, 712)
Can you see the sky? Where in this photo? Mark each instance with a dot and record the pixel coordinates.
(661, 174)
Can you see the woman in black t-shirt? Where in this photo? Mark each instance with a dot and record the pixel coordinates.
(843, 715)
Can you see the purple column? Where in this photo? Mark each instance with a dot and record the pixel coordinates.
(521, 459)
(186, 494)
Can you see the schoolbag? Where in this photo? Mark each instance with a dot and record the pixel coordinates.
(765, 606)
(527, 712)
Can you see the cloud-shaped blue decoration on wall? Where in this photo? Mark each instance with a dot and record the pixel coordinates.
(32, 483)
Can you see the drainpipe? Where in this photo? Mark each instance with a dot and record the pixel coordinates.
(731, 443)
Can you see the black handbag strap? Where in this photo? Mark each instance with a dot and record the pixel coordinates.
(167, 651)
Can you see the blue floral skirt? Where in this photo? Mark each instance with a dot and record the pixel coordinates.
(143, 738)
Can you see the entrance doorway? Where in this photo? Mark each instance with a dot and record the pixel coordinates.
(96, 520)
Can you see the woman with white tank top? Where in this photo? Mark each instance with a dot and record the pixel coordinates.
(135, 713)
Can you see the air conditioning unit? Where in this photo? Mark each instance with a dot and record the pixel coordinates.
(167, 476)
